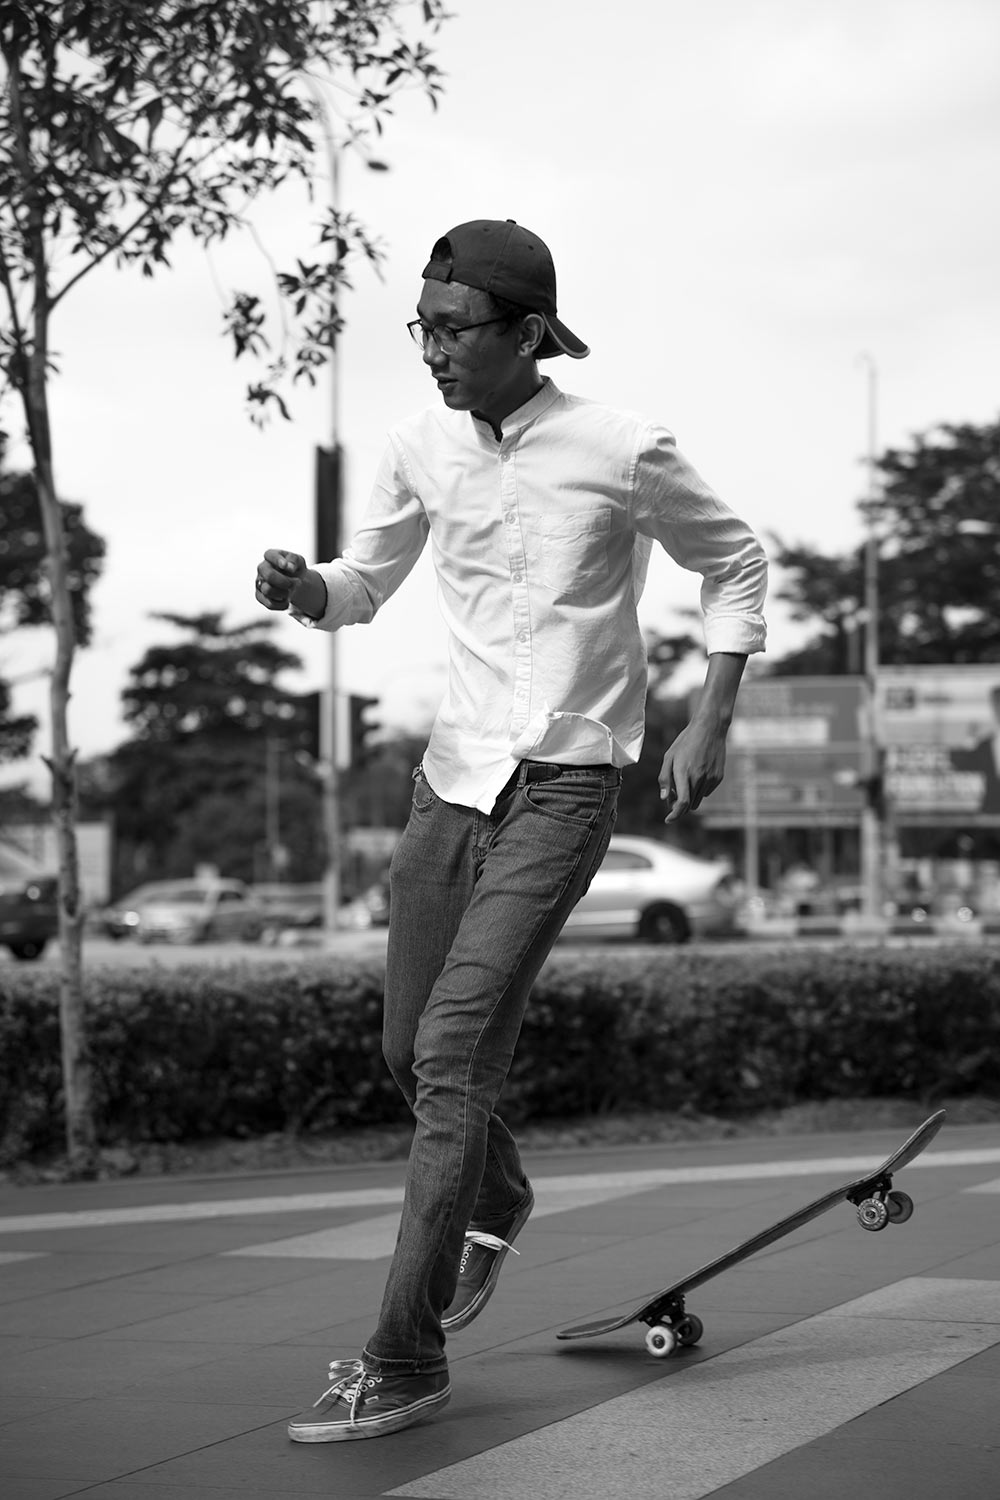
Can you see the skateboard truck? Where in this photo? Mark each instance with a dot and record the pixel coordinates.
(671, 1328)
(883, 1205)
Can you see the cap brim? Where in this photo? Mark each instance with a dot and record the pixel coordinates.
(559, 340)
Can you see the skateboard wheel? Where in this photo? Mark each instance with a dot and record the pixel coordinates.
(873, 1214)
(900, 1206)
(689, 1330)
(661, 1342)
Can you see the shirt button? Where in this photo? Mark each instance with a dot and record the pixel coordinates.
(517, 578)
(523, 635)
(510, 517)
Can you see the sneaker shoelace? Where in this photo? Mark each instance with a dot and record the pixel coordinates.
(349, 1380)
(475, 1237)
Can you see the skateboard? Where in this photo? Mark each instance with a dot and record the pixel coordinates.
(672, 1327)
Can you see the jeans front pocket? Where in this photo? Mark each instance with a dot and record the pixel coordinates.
(571, 797)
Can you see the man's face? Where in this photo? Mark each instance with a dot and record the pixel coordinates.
(485, 372)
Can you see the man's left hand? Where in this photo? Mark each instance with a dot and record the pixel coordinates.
(692, 767)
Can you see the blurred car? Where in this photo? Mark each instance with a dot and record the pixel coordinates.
(121, 918)
(289, 910)
(186, 911)
(29, 914)
(651, 892)
(370, 908)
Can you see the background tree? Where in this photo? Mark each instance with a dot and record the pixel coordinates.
(189, 786)
(121, 126)
(827, 595)
(937, 518)
(16, 730)
(667, 711)
(24, 592)
(377, 789)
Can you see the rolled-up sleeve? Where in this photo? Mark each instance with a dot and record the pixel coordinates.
(673, 505)
(380, 555)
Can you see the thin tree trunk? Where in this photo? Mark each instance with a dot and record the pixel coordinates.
(76, 1067)
(32, 366)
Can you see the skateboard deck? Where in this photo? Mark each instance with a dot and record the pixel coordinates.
(672, 1327)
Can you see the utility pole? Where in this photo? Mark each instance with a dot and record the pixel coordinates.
(272, 806)
(329, 500)
(871, 821)
(329, 495)
(751, 825)
(329, 520)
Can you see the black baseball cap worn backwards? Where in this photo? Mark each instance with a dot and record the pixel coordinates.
(502, 257)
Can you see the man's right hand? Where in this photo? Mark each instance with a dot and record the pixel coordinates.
(284, 578)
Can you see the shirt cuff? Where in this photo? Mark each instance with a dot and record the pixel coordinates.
(347, 602)
(740, 637)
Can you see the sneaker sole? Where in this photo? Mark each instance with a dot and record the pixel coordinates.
(370, 1427)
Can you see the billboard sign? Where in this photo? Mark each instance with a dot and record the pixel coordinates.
(940, 726)
(796, 755)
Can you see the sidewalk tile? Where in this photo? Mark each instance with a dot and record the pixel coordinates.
(100, 1439)
(86, 1310)
(77, 1368)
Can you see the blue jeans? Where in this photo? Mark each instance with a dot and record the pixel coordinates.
(477, 901)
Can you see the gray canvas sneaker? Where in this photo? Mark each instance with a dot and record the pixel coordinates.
(482, 1256)
(360, 1405)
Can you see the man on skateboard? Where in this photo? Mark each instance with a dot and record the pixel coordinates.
(541, 509)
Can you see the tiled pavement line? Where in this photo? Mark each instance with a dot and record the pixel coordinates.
(603, 1185)
(375, 1238)
(197, 1209)
(725, 1417)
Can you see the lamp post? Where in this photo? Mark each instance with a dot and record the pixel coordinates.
(329, 511)
(871, 829)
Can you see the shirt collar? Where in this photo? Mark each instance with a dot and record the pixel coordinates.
(540, 401)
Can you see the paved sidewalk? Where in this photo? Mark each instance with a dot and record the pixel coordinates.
(156, 1335)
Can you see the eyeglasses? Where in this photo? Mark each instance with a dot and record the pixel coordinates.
(443, 334)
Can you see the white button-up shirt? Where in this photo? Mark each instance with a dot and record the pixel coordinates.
(541, 544)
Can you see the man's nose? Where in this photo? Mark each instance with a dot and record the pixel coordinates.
(433, 353)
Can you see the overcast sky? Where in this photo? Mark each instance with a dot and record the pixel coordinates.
(743, 201)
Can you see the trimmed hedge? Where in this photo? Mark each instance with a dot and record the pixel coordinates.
(194, 1052)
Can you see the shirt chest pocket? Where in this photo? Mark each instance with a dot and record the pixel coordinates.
(573, 554)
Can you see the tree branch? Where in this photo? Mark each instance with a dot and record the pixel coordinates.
(15, 316)
(98, 258)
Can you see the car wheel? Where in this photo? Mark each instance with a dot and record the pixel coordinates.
(664, 923)
(30, 948)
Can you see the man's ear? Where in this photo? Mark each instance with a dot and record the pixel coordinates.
(532, 333)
